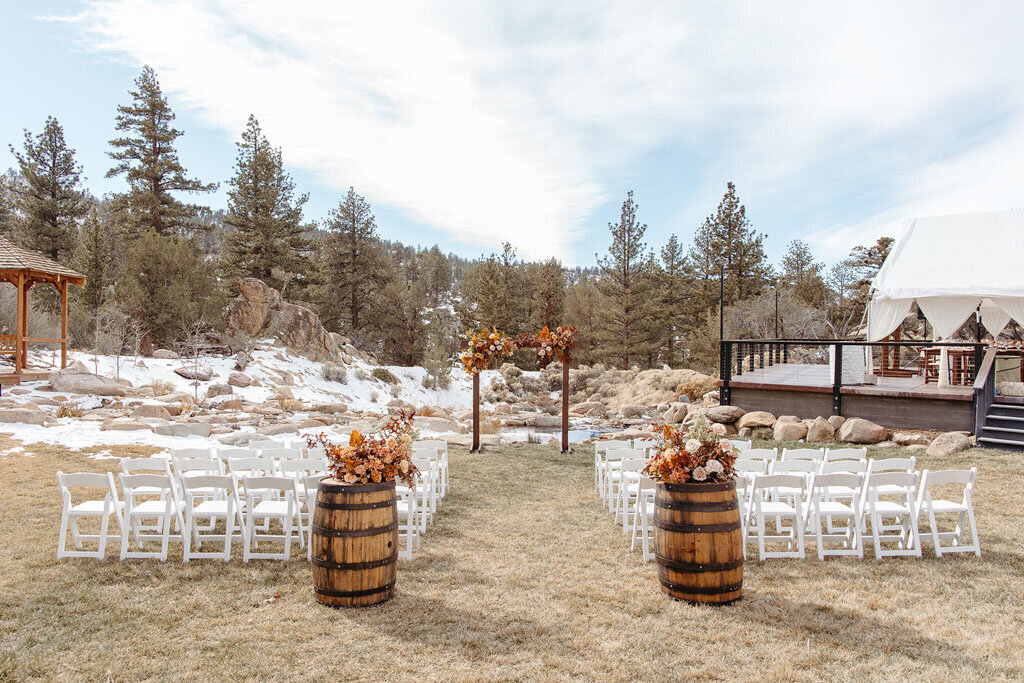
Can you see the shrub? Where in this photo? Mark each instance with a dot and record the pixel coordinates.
(695, 389)
(335, 373)
(161, 387)
(68, 409)
(362, 375)
(385, 375)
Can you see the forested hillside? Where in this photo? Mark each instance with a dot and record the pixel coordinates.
(161, 264)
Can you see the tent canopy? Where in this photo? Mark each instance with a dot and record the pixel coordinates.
(952, 265)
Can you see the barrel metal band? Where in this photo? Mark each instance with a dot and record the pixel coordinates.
(327, 564)
(356, 506)
(700, 590)
(697, 507)
(696, 528)
(354, 533)
(696, 566)
(354, 594)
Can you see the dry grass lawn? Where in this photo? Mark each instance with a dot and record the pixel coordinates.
(523, 576)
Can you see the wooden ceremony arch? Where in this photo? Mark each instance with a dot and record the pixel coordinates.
(24, 269)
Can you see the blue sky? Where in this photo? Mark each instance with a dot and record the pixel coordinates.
(469, 123)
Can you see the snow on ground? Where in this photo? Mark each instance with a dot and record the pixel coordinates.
(272, 367)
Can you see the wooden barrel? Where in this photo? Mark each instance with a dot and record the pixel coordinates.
(698, 542)
(354, 543)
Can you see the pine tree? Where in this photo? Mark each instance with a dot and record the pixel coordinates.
(48, 195)
(94, 257)
(674, 297)
(620, 286)
(351, 258)
(802, 274)
(437, 272)
(549, 294)
(264, 212)
(147, 157)
(582, 307)
(437, 357)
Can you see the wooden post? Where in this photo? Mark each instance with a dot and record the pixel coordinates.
(64, 324)
(476, 412)
(565, 407)
(19, 342)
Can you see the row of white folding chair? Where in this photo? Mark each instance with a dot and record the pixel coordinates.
(612, 476)
(153, 497)
(857, 498)
(441, 447)
(600, 461)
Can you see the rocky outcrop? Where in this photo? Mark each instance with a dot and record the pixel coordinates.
(151, 410)
(26, 415)
(239, 379)
(200, 374)
(859, 430)
(756, 418)
(724, 414)
(676, 413)
(260, 312)
(165, 354)
(948, 444)
(76, 379)
(820, 430)
(789, 431)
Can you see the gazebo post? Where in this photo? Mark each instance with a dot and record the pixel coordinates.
(476, 412)
(19, 341)
(24, 323)
(565, 406)
(63, 323)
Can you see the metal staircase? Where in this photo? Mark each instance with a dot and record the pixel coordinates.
(998, 420)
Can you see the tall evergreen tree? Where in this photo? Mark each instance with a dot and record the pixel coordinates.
(620, 288)
(802, 274)
(7, 211)
(437, 273)
(264, 212)
(93, 260)
(147, 157)
(48, 194)
(351, 255)
(549, 294)
(675, 292)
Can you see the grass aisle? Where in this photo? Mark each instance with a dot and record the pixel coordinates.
(522, 576)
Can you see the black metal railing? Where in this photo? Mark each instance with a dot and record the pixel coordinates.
(903, 358)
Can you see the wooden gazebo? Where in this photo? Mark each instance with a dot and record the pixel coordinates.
(24, 269)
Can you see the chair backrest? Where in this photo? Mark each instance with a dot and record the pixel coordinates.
(820, 483)
(614, 444)
(281, 453)
(903, 480)
(154, 465)
(316, 452)
(311, 482)
(790, 466)
(440, 444)
(207, 482)
(644, 443)
(190, 453)
(742, 445)
(849, 466)
(940, 477)
(206, 465)
(265, 443)
(262, 484)
(633, 464)
(251, 467)
(302, 466)
(802, 454)
(892, 465)
(761, 454)
(66, 482)
(744, 466)
(624, 453)
(846, 454)
(229, 453)
(130, 482)
(772, 481)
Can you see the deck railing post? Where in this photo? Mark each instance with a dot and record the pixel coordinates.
(785, 353)
(979, 356)
(753, 352)
(837, 380)
(725, 394)
(762, 355)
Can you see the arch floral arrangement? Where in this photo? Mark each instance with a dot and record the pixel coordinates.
(552, 346)
(700, 454)
(483, 348)
(371, 459)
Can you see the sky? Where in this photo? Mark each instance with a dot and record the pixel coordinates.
(468, 123)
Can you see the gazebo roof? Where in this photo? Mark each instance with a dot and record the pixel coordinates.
(14, 258)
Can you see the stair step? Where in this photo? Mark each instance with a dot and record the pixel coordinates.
(1008, 406)
(1004, 430)
(990, 416)
(1001, 442)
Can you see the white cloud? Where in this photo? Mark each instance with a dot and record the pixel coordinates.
(503, 121)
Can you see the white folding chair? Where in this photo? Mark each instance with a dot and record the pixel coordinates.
(613, 474)
(281, 454)
(102, 508)
(812, 454)
(307, 473)
(251, 467)
(746, 472)
(267, 499)
(198, 505)
(429, 480)
(834, 454)
(431, 454)
(600, 462)
(881, 487)
(742, 445)
(189, 453)
(643, 517)
(765, 454)
(408, 525)
(964, 509)
(146, 465)
(822, 506)
(165, 511)
(231, 453)
(441, 446)
(263, 444)
(768, 501)
(629, 489)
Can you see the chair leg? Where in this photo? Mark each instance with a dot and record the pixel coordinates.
(63, 537)
(935, 532)
(186, 539)
(974, 531)
(102, 552)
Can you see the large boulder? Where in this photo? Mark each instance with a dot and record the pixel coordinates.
(259, 311)
(859, 430)
(76, 379)
(911, 439)
(184, 429)
(948, 444)
(201, 374)
(632, 410)
(435, 424)
(544, 421)
(676, 413)
(820, 430)
(756, 418)
(725, 414)
(165, 354)
(239, 379)
(151, 410)
(789, 431)
(836, 421)
(218, 390)
(125, 426)
(25, 415)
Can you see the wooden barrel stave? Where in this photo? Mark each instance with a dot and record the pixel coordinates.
(354, 544)
(698, 542)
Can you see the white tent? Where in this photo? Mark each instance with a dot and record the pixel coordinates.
(952, 265)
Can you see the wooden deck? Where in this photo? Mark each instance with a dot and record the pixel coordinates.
(806, 391)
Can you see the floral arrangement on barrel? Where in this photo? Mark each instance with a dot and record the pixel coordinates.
(370, 459)
(551, 346)
(700, 454)
(484, 347)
